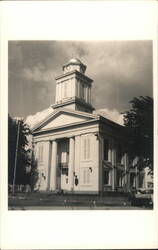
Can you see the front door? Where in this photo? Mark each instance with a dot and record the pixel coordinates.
(63, 163)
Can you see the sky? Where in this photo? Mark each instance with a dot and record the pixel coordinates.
(121, 70)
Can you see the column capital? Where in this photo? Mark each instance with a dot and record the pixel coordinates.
(72, 137)
(53, 140)
(69, 137)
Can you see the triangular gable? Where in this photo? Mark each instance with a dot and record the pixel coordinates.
(63, 117)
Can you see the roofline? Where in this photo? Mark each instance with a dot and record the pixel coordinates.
(110, 122)
(67, 126)
(66, 111)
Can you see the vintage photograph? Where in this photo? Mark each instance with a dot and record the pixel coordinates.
(80, 125)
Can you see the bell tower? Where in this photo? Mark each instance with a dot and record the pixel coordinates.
(73, 87)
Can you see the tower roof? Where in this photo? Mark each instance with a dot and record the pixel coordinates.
(75, 61)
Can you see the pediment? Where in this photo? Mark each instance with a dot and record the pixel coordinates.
(62, 118)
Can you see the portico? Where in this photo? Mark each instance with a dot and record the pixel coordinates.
(63, 156)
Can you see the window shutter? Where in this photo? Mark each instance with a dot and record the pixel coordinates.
(86, 147)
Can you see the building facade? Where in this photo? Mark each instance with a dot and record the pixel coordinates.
(78, 149)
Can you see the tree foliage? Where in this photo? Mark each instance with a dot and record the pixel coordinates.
(139, 121)
(25, 164)
(21, 154)
(33, 175)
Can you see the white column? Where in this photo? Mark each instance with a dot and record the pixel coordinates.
(71, 161)
(88, 100)
(59, 92)
(110, 151)
(74, 87)
(113, 165)
(126, 179)
(100, 157)
(143, 184)
(136, 179)
(56, 94)
(76, 83)
(79, 86)
(53, 166)
(49, 148)
(89, 95)
(110, 160)
(86, 94)
(62, 90)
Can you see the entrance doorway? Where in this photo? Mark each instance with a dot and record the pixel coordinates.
(63, 165)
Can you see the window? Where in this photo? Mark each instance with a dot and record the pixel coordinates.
(63, 164)
(106, 149)
(81, 91)
(132, 179)
(64, 157)
(86, 147)
(141, 180)
(65, 170)
(40, 153)
(85, 93)
(119, 154)
(106, 177)
(119, 178)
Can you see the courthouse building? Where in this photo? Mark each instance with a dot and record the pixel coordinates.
(77, 148)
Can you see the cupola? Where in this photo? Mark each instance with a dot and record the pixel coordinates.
(73, 87)
(74, 64)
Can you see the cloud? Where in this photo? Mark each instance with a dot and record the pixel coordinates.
(112, 115)
(120, 70)
(37, 74)
(32, 120)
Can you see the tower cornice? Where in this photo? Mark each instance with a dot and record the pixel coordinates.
(72, 101)
(76, 73)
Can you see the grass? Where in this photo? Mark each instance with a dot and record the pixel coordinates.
(51, 199)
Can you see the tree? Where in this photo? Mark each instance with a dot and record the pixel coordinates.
(139, 121)
(33, 175)
(22, 159)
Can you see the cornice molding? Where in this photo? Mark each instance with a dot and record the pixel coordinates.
(72, 101)
(77, 74)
